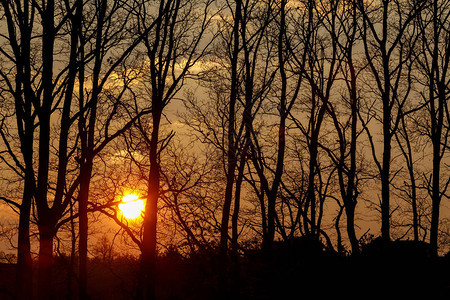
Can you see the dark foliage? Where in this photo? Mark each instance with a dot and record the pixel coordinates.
(290, 270)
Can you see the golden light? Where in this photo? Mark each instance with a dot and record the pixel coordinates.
(131, 206)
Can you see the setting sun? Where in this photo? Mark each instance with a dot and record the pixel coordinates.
(131, 206)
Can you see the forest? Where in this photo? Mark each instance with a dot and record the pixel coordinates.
(224, 149)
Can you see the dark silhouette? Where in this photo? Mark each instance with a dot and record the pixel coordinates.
(268, 140)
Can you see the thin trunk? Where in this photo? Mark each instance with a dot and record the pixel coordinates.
(412, 194)
(436, 178)
(385, 173)
(437, 115)
(272, 194)
(435, 202)
(351, 193)
(70, 274)
(337, 226)
(236, 282)
(231, 153)
(237, 198)
(263, 211)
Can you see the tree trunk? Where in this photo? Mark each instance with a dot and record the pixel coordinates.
(237, 198)
(231, 153)
(85, 175)
(437, 124)
(385, 177)
(45, 288)
(436, 178)
(24, 277)
(88, 144)
(350, 212)
(147, 280)
(435, 206)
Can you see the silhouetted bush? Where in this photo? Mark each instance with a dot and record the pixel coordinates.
(399, 250)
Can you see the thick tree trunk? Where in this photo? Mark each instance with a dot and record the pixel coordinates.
(147, 280)
(45, 266)
(24, 278)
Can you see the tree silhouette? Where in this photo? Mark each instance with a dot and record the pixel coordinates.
(432, 57)
(256, 132)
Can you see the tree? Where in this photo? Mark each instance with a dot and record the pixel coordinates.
(346, 15)
(231, 155)
(171, 49)
(17, 92)
(319, 64)
(45, 95)
(432, 57)
(37, 95)
(109, 43)
(384, 24)
(251, 90)
(284, 100)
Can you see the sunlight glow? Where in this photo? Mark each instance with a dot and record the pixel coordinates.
(131, 206)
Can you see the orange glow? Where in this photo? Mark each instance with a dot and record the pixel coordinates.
(131, 206)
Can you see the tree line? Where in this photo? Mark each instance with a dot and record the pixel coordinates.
(291, 113)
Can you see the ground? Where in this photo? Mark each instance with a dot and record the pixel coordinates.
(286, 273)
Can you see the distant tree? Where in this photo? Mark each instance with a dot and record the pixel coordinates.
(231, 152)
(407, 138)
(283, 91)
(254, 78)
(318, 62)
(103, 250)
(383, 29)
(346, 34)
(189, 193)
(432, 57)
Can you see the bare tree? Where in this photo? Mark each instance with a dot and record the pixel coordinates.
(231, 155)
(171, 48)
(432, 57)
(109, 42)
(237, 80)
(49, 72)
(346, 15)
(38, 93)
(383, 29)
(284, 95)
(405, 137)
(319, 64)
(17, 91)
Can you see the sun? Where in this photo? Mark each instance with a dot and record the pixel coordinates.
(131, 206)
